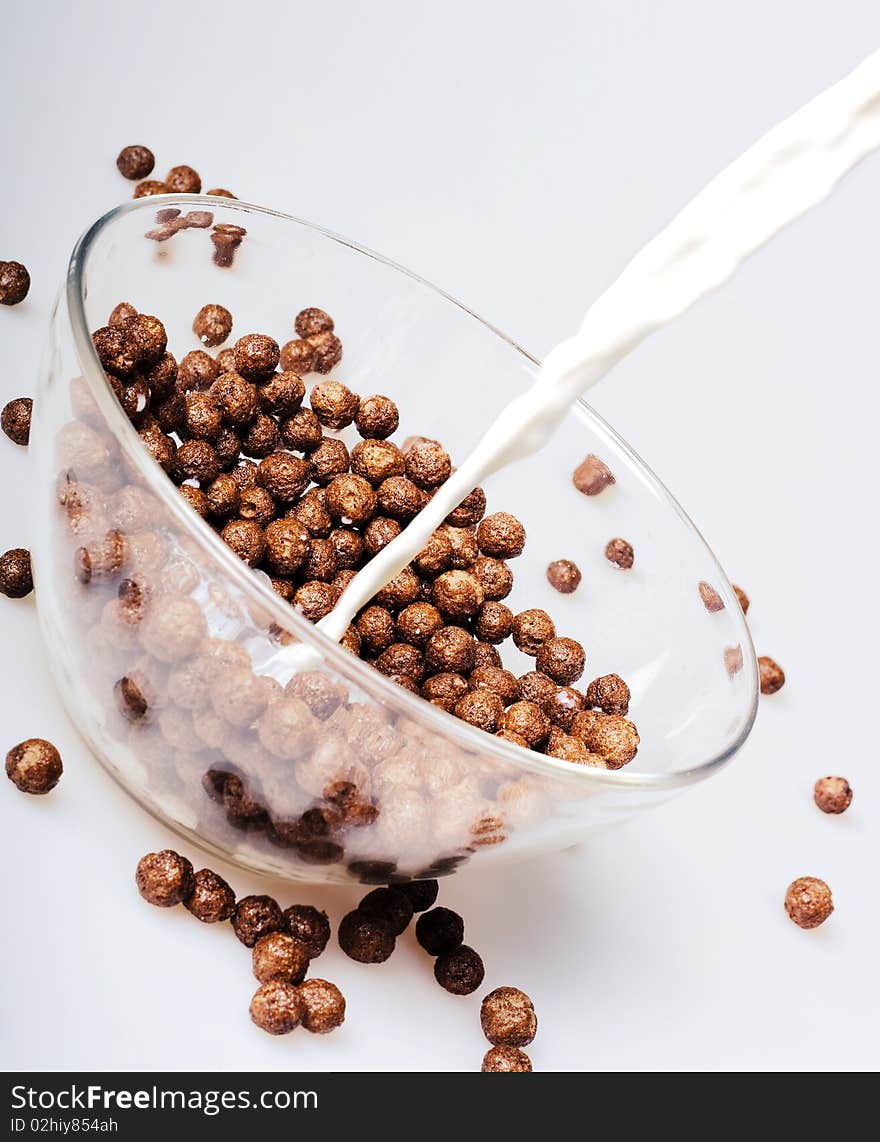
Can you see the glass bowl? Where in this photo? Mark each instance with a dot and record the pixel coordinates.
(174, 657)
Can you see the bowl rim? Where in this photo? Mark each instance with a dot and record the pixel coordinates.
(261, 593)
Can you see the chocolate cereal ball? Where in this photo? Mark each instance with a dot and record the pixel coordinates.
(592, 476)
(15, 282)
(211, 900)
(615, 739)
(323, 1006)
(527, 720)
(508, 1018)
(440, 930)
(297, 356)
(402, 659)
(379, 532)
(531, 629)
(470, 511)
(505, 1060)
(201, 417)
(149, 187)
(376, 628)
(421, 893)
(417, 622)
(246, 539)
(495, 680)
(609, 693)
(282, 394)
(16, 420)
(301, 432)
(236, 399)
(428, 464)
(389, 905)
(451, 650)
(365, 939)
(480, 708)
(376, 460)
(16, 579)
(309, 322)
(135, 162)
(494, 576)
(501, 535)
(278, 955)
(563, 576)
(494, 622)
(276, 1007)
(34, 766)
(377, 418)
(287, 545)
(445, 690)
(808, 902)
(334, 404)
(308, 925)
(197, 370)
(399, 498)
(459, 971)
(833, 794)
(350, 499)
(561, 659)
(771, 674)
(196, 460)
(256, 916)
(183, 180)
(255, 504)
(457, 595)
(164, 878)
(212, 324)
(284, 477)
(329, 459)
(256, 356)
(327, 351)
(620, 553)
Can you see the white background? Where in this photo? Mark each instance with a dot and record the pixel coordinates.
(516, 154)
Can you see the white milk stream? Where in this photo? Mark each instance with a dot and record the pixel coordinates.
(792, 168)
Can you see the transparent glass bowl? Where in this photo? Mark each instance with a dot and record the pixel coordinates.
(372, 782)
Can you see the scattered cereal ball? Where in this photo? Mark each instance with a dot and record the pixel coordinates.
(298, 357)
(247, 539)
(436, 555)
(377, 418)
(741, 597)
(428, 464)
(445, 690)
(592, 476)
(564, 576)
(16, 579)
(164, 878)
(376, 628)
(420, 893)
(301, 432)
(34, 766)
(183, 180)
(308, 925)
(771, 675)
(508, 1018)
(459, 971)
(833, 794)
(327, 349)
(528, 720)
(278, 955)
(256, 916)
(609, 693)
(620, 553)
(365, 939)
(16, 420)
(506, 1059)
(212, 324)
(350, 499)
(334, 404)
(211, 900)
(148, 335)
(323, 1006)
(470, 511)
(135, 162)
(457, 594)
(256, 356)
(808, 902)
(276, 1007)
(531, 629)
(150, 187)
(501, 535)
(15, 282)
(494, 621)
(614, 738)
(284, 477)
(392, 907)
(440, 930)
(450, 650)
(379, 532)
(561, 659)
(310, 322)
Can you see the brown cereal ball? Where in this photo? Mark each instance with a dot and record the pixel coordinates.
(501, 535)
(450, 650)
(584, 722)
(614, 738)
(196, 460)
(160, 447)
(309, 926)
(376, 460)
(771, 674)
(401, 658)
(314, 600)
(173, 628)
(349, 548)
(327, 350)
(379, 532)
(528, 720)
(494, 576)
(256, 916)
(223, 496)
(399, 498)
(277, 955)
(376, 627)
(287, 544)
(334, 404)
(147, 334)
(365, 939)
(417, 622)
(436, 555)
(392, 907)
(505, 1060)
(485, 654)
(538, 688)
(464, 547)
(531, 629)
(609, 693)
(497, 681)
(620, 553)
(311, 511)
(247, 539)
(470, 511)
(162, 377)
(15, 281)
(149, 187)
(196, 499)
(196, 371)
(301, 432)
(350, 500)
(261, 437)
(440, 930)
(569, 748)
(319, 692)
(256, 356)
(329, 459)
(445, 690)
(212, 324)
(225, 361)
(459, 971)
(276, 1007)
(563, 576)
(16, 420)
(310, 322)
(255, 504)
(297, 356)
(16, 579)
(164, 878)
(323, 1006)
(480, 708)
(377, 418)
(457, 594)
(117, 350)
(592, 476)
(513, 738)
(833, 794)
(183, 180)
(34, 766)
(428, 464)
(507, 1017)
(742, 598)
(808, 902)
(284, 477)
(236, 398)
(320, 561)
(282, 394)
(562, 659)
(201, 417)
(135, 162)
(211, 900)
(494, 621)
(342, 580)
(563, 706)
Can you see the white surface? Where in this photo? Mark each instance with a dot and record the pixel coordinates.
(663, 945)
